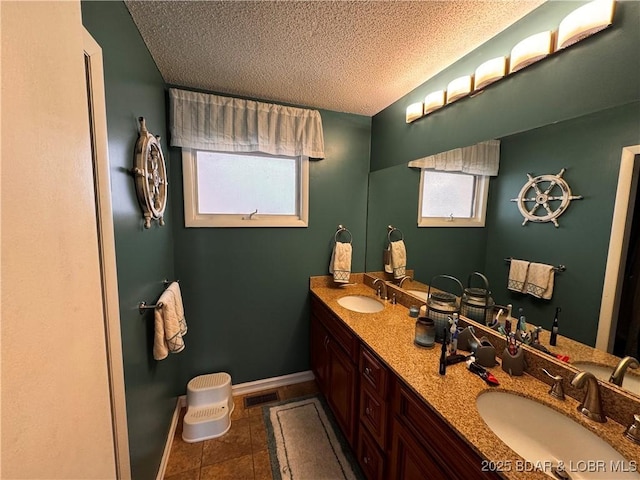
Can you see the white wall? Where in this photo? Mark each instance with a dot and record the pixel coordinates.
(56, 419)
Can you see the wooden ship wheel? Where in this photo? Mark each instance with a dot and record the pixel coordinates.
(544, 198)
(150, 176)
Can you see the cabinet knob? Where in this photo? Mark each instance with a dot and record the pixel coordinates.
(367, 371)
(367, 411)
(366, 460)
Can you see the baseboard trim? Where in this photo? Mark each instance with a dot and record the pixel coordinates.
(273, 382)
(180, 402)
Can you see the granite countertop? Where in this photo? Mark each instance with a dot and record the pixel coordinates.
(390, 335)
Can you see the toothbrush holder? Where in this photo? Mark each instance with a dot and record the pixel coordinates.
(467, 340)
(486, 353)
(513, 364)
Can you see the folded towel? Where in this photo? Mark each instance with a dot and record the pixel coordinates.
(517, 275)
(398, 259)
(340, 264)
(540, 280)
(170, 324)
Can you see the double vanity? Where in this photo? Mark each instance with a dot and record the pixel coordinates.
(406, 421)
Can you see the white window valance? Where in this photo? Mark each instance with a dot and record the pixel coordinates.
(480, 159)
(226, 124)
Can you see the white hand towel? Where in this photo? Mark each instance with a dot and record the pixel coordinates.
(398, 259)
(540, 279)
(170, 324)
(340, 264)
(517, 275)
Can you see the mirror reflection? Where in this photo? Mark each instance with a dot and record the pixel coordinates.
(621, 372)
(581, 243)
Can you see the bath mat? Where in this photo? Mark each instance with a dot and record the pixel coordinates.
(306, 444)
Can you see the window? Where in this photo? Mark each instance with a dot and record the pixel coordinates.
(225, 189)
(449, 199)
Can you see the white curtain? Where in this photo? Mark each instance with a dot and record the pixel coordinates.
(226, 124)
(480, 159)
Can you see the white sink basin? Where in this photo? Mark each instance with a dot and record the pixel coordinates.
(547, 438)
(361, 304)
(630, 382)
(419, 293)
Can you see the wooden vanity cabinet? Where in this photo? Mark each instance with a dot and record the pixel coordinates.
(334, 363)
(396, 435)
(424, 446)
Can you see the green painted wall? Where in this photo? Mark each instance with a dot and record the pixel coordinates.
(589, 148)
(133, 88)
(576, 109)
(246, 289)
(393, 200)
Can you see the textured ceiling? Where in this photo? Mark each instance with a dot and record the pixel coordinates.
(346, 56)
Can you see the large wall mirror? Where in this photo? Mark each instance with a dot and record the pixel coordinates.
(596, 239)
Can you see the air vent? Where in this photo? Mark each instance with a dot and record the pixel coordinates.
(253, 400)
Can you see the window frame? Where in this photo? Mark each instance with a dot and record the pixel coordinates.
(481, 189)
(192, 218)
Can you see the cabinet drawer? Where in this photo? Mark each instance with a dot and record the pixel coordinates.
(373, 415)
(373, 373)
(337, 328)
(370, 458)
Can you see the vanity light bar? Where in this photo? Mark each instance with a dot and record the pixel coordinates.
(489, 72)
(414, 112)
(434, 101)
(576, 26)
(530, 50)
(458, 88)
(584, 22)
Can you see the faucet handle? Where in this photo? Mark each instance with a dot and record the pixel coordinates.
(557, 390)
(633, 431)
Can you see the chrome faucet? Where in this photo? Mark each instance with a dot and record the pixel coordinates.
(383, 288)
(591, 405)
(403, 279)
(618, 374)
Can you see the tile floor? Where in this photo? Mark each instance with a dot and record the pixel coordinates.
(240, 454)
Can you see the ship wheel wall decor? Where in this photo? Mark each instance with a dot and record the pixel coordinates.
(544, 198)
(150, 176)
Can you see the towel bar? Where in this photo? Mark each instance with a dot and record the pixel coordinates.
(559, 268)
(142, 306)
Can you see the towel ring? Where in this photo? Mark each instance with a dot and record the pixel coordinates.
(342, 229)
(390, 230)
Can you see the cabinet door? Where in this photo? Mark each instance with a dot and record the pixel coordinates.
(410, 460)
(341, 390)
(319, 353)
